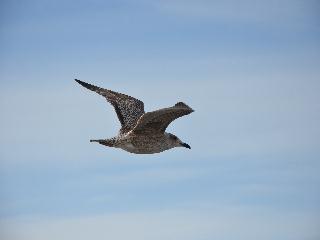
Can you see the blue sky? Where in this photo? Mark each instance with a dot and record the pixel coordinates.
(249, 69)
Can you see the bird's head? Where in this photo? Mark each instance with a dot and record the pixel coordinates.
(176, 142)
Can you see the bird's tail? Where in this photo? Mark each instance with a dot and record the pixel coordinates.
(106, 142)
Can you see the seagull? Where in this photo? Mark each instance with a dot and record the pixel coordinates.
(141, 132)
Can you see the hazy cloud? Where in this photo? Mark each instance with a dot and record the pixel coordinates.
(223, 223)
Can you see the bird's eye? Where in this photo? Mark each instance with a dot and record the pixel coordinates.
(174, 137)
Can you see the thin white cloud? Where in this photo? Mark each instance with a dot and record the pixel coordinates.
(156, 176)
(224, 223)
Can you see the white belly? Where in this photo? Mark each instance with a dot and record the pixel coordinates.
(128, 147)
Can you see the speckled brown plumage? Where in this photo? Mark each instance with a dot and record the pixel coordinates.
(141, 133)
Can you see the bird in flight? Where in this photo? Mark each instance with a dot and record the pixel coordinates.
(141, 132)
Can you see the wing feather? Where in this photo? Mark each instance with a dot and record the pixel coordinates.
(158, 121)
(128, 109)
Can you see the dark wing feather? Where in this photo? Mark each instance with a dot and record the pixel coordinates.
(158, 121)
(128, 109)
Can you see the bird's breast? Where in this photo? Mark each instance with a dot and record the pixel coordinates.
(144, 144)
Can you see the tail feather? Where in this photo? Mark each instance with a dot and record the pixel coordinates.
(105, 142)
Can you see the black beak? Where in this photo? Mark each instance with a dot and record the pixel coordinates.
(185, 145)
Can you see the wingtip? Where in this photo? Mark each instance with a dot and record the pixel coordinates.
(84, 84)
(183, 105)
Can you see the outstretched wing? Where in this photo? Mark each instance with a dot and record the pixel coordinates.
(128, 109)
(158, 121)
